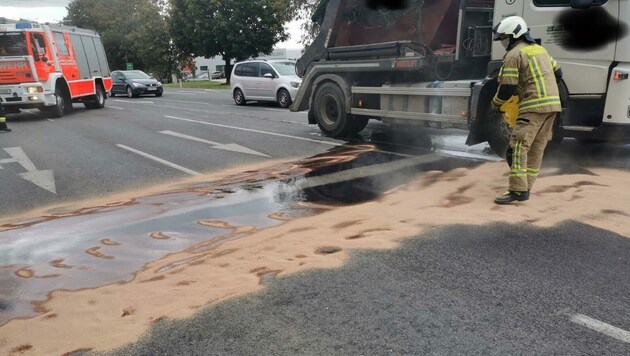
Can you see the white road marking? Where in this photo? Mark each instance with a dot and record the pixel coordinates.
(599, 326)
(115, 107)
(135, 101)
(256, 131)
(188, 102)
(159, 160)
(212, 90)
(51, 120)
(182, 92)
(227, 147)
(44, 179)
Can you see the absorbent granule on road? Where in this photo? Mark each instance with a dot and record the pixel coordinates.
(93, 318)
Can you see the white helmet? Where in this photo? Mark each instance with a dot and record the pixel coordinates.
(513, 25)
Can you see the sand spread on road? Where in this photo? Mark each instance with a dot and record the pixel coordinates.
(178, 285)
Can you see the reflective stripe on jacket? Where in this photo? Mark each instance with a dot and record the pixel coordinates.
(531, 69)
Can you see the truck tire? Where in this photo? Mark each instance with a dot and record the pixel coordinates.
(498, 132)
(59, 109)
(358, 124)
(98, 100)
(330, 110)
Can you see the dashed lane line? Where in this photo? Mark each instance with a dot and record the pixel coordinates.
(115, 107)
(601, 327)
(160, 160)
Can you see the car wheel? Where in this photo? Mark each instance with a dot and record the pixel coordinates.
(158, 94)
(130, 93)
(284, 98)
(111, 93)
(239, 98)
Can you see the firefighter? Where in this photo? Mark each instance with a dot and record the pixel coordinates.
(3, 119)
(529, 72)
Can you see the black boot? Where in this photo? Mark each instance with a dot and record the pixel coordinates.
(4, 127)
(510, 196)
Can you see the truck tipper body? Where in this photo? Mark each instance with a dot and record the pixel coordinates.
(49, 66)
(433, 63)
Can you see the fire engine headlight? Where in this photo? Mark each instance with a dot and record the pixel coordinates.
(295, 84)
(33, 90)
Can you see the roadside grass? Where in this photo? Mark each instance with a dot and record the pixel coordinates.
(206, 84)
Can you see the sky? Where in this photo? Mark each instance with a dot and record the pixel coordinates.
(55, 10)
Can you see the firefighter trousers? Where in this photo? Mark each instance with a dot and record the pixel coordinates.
(527, 145)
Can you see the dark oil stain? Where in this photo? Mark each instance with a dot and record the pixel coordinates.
(345, 224)
(128, 311)
(58, 263)
(185, 283)
(22, 348)
(160, 236)
(301, 229)
(327, 250)
(95, 251)
(564, 188)
(301, 256)
(49, 316)
(590, 29)
(109, 242)
(363, 234)
(78, 352)
(92, 302)
(615, 212)
(154, 279)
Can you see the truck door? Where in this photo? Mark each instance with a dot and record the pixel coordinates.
(66, 58)
(585, 70)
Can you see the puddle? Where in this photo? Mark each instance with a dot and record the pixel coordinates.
(101, 245)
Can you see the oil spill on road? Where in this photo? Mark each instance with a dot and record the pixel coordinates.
(101, 245)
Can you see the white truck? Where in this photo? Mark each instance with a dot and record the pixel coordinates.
(433, 63)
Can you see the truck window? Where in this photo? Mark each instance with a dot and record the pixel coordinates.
(39, 45)
(92, 56)
(62, 47)
(13, 44)
(560, 3)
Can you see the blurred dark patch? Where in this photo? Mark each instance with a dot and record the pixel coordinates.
(388, 4)
(590, 29)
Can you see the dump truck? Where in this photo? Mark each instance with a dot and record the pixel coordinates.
(49, 66)
(433, 63)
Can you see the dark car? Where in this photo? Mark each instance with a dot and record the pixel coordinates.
(133, 83)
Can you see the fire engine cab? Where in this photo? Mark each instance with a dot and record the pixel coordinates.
(49, 66)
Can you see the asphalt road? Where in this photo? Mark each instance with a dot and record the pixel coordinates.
(134, 143)
(459, 290)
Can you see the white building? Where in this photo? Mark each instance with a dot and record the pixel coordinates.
(218, 64)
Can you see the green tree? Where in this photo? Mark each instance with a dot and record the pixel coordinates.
(232, 29)
(132, 31)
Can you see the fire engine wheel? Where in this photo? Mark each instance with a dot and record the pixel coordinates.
(98, 101)
(59, 109)
(330, 110)
(498, 132)
(284, 98)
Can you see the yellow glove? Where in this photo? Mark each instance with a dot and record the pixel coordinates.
(510, 111)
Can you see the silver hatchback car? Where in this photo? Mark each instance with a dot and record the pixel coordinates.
(262, 80)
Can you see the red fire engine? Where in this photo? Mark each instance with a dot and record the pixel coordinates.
(50, 66)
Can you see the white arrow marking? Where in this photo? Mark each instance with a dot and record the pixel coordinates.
(44, 179)
(227, 147)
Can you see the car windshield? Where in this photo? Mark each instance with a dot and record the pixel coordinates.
(13, 44)
(137, 75)
(285, 68)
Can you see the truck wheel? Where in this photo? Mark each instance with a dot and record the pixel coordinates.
(284, 98)
(358, 124)
(59, 109)
(498, 132)
(239, 98)
(98, 101)
(330, 110)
